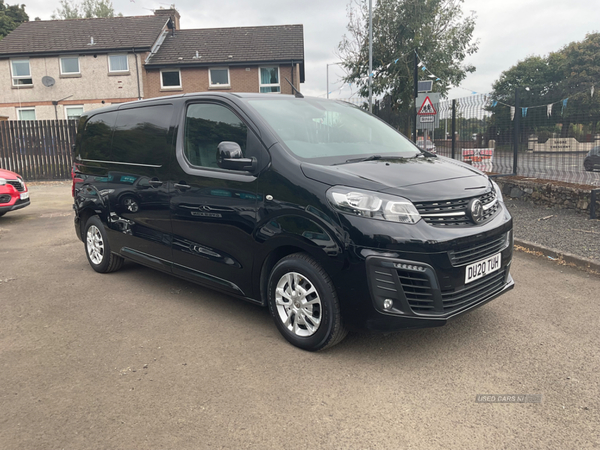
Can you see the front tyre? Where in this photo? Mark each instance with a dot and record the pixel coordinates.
(304, 304)
(97, 248)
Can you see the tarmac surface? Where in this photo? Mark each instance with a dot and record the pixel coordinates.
(139, 359)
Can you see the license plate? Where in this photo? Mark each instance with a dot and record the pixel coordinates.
(482, 268)
(24, 195)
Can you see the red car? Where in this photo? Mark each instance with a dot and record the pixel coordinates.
(13, 192)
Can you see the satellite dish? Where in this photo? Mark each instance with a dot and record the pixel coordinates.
(48, 81)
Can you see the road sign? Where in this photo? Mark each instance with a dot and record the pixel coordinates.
(427, 108)
(424, 120)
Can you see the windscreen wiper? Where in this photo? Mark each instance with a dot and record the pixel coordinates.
(428, 153)
(368, 158)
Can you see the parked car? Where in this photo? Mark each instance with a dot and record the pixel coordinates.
(426, 145)
(311, 207)
(592, 160)
(13, 192)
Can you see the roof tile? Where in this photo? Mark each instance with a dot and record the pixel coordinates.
(231, 45)
(56, 36)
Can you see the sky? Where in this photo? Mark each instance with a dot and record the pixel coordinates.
(508, 31)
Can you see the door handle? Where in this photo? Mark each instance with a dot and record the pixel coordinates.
(182, 186)
(155, 183)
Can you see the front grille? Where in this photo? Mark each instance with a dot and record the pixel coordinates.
(474, 291)
(17, 185)
(420, 295)
(454, 212)
(417, 289)
(4, 198)
(477, 252)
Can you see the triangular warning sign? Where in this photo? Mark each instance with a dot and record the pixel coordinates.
(427, 108)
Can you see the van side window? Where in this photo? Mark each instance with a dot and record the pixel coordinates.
(142, 135)
(206, 126)
(98, 136)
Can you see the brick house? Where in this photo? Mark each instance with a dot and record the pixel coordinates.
(241, 59)
(58, 69)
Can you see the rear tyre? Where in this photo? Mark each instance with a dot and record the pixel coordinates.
(97, 248)
(304, 304)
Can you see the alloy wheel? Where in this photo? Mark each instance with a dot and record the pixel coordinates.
(298, 304)
(95, 245)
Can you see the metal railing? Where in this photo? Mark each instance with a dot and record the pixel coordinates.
(504, 139)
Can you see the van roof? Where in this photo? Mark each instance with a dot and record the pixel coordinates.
(159, 100)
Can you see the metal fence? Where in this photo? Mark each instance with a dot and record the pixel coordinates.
(538, 141)
(38, 149)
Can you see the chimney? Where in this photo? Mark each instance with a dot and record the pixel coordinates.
(171, 12)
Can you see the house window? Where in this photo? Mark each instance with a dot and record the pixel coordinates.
(69, 65)
(26, 113)
(21, 73)
(118, 63)
(170, 79)
(219, 77)
(269, 79)
(73, 112)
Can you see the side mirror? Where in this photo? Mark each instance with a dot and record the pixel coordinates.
(229, 156)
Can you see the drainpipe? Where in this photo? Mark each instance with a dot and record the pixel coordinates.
(137, 72)
(293, 75)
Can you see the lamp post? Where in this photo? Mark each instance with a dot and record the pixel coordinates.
(370, 56)
(331, 64)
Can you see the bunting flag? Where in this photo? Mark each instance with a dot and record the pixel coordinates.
(524, 112)
(592, 93)
(564, 105)
(512, 113)
(549, 109)
(494, 103)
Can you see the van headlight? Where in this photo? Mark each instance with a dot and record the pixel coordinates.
(374, 205)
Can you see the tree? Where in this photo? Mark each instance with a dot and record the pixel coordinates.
(11, 17)
(569, 73)
(435, 29)
(70, 9)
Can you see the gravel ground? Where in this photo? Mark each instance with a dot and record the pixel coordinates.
(564, 230)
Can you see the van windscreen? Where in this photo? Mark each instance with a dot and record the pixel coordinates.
(328, 132)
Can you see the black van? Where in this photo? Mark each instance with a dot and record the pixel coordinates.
(313, 207)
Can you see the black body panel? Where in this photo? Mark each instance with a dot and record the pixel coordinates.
(178, 212)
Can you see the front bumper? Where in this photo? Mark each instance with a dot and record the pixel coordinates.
(14, 206)
(425, 289)
(388, 322)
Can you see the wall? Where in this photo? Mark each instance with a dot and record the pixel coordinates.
(93, 86)
(550, 193)
(241, 79)
(561, 145)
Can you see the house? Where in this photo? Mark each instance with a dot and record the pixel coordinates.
(60, 69)
(241, 59)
